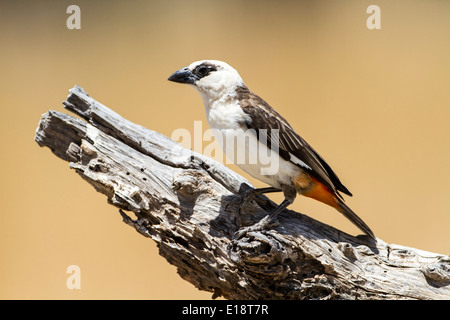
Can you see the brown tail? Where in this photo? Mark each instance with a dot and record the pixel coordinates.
(357, 221)
(323, 194)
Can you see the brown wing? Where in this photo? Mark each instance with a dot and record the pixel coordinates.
(290, 144)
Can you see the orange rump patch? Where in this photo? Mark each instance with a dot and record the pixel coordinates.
(316, 190)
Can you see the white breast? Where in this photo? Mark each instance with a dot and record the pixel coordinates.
(242, 147)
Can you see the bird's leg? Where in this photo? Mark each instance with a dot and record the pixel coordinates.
(271, 217)
(289, 197)
(249, 195)
(252, 193)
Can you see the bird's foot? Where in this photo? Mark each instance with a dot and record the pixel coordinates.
(265, 223)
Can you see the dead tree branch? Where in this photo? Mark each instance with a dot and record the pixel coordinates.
(184, 202)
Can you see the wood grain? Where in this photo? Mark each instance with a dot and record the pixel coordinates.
(186, 202)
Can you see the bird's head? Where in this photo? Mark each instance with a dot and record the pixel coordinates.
(212, 78)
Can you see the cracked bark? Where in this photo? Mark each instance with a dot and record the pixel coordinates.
(184, 202)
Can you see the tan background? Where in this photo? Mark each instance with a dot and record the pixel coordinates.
(375, 104)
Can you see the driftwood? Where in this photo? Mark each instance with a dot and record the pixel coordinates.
(186, 203)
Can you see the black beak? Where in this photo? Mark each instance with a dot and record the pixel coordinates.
(183, 76)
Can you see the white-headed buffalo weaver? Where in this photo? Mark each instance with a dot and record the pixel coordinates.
(231, 107)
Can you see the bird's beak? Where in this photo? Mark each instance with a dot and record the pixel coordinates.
(183, 76)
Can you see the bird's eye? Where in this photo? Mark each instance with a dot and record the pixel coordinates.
(202, 71)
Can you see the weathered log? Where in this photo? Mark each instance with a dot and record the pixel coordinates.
(185, 202)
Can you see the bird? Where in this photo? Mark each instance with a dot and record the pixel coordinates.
(233, 111)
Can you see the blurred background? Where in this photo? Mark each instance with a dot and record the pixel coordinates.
(374, 103)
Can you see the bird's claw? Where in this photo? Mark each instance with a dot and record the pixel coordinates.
(263, 224)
